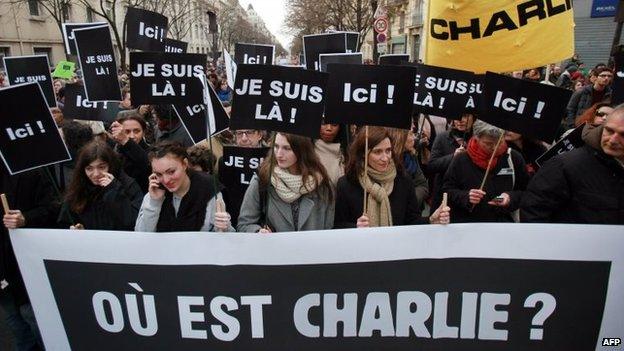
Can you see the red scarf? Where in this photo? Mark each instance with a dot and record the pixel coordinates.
(481, 157)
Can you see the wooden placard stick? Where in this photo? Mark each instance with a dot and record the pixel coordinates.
(365, 166)
(5, 204)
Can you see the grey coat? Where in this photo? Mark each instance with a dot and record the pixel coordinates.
(314, 212)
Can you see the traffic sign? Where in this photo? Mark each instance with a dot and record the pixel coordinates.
(380, 25)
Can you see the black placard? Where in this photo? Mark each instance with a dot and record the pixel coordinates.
(254, 54)
(194, 118)
(352, 41)
(26, 69)
(446, 92)
(68, 35)
(278, 98)
(98, 64)
(175, 46)
(236, 169)
(146, 30)
(430, 304)
(77, 106)
(393, 59)
(327, 43)
(532, 109)
(568, 143)
(29, 137)
(370, 95)
(617, 97)
(164, 78)
(347, 58)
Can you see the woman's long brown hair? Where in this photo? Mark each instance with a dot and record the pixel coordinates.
(81, 191)
(308, 162)
(376, 135)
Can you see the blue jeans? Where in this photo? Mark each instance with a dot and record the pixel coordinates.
(21, 321)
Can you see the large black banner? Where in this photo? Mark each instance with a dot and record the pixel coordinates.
(347, 58)
(97, 60)
(194, 118)
(175, 46)
(370, 95)
(146, 30)
(77, 106)
(427, 304)
(26, 69)
(327, 43)
(532, 109)
(278, 98)
(236, 169)
(254, 54)
(68, 34)
(164, 78)
(446, 92)
(29, 138)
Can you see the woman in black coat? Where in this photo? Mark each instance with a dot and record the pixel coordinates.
(129, 133)
(503, 189)
(446, 146)
(100, 195)
(391, 199)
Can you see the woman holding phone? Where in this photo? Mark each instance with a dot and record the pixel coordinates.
(179, 198)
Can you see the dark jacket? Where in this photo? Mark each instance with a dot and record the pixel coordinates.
(115, 208)
(192, 211)
(464, 175)
(580, 186)
(135, 162)
(32, 193)
(442, 154)
(580, 101)
(403, 203)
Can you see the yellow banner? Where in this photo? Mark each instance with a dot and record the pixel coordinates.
(498, 35)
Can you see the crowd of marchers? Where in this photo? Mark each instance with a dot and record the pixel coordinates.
(142, 172)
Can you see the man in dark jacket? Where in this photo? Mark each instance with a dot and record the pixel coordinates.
(589, 95)
(33, 205)
(585, 185)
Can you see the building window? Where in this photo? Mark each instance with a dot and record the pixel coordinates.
(44, 51)
(5, 51)
(90, 15)
(66, 12)
(33, 7)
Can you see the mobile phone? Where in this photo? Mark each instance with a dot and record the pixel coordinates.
(499, 198)
(161, 186)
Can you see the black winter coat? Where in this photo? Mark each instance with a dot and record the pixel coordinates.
(135, 162)
(403, 203)
(115, 208)
(464, 175)
(581, 186)
(32, 193)
(442, 154)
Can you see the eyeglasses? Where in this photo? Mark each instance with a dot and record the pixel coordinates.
(247, 133)
(605, 75)
(601, 113)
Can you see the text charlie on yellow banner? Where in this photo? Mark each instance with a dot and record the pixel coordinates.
(499, 35)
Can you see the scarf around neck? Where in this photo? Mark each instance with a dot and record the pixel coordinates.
(290, 187)
(379, 186)
(481, 157)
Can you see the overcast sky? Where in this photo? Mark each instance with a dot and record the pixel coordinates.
(273, 13)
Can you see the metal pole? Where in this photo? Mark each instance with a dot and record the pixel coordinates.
(375, 53)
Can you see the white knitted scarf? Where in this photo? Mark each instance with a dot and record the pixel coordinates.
(290, 187)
